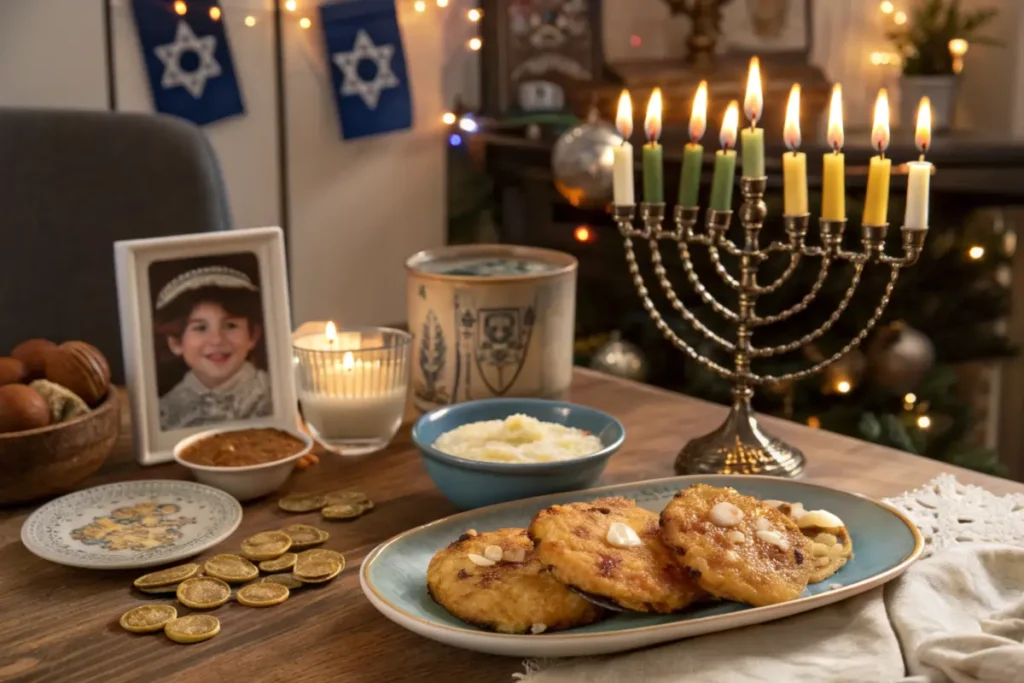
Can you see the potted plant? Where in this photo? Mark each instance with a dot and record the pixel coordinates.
(929, 67)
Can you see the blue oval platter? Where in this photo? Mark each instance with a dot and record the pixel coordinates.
(393, 576)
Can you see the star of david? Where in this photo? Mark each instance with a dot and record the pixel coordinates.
(353, 83)
(170, 54)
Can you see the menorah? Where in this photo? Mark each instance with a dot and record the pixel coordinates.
(739, 445)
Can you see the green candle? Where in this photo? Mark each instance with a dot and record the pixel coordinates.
(654, 184)
(689, 181)
(752, 141)
(722, 182)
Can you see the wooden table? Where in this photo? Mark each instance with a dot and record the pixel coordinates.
(60, 624)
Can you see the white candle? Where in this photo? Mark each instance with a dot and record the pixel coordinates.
(343, 396)
(919, 173)
(622, 171)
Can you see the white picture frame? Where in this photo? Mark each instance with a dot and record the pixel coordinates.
(133, 260)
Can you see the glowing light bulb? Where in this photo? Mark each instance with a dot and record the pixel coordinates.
(474, 14)
(304, 22)
(475, 44)
(442, 3)
(924, 422)
(582, 234)
(448, 118)
(843, 387)
(291, 5)
(180, 7)
(420, 6)
(215, 13)
(976, 252)
(887, 7)
(250, 21)
(900, 18)
(910, 398)
(469, 125)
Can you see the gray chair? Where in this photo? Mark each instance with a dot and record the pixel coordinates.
(71, 184)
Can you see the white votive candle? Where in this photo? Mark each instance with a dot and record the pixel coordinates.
(352, 417)
(919, 175)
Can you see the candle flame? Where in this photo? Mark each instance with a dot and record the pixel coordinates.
(791, 131)
(753, 102)
(348, 361)
(331, 332)
(880, 129)
(958, 47)
(699, 114)
(624, 117)
(730, 124)
(652, 122)
(835, 118)
(923, 135)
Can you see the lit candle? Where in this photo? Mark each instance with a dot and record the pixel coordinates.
(876, 204)
(654, 183)
(725, 160)
(622, 170)
(342, 394)
(794, 164)
(693, 153)
(752, 139)
(919, 173)
(833, 190)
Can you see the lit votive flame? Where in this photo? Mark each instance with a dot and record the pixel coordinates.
(699, 114)
(880, 128)
(652, 122)
(348, 362)
(754, 101)
(791, 131)
(835, 134)
(331, 332)
(730, 124)
(923, 134)
(624, 116)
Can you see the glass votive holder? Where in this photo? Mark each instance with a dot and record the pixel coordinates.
(352, 384)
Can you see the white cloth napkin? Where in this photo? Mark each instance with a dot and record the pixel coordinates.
(954, 617)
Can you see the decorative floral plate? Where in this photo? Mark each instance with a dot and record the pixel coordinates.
(393, 576)
(131, 524)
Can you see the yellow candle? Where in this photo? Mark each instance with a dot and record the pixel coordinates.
(876, 204)
(833, 187)
(794, 163)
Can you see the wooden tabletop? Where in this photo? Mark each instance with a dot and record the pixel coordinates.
(60, 624)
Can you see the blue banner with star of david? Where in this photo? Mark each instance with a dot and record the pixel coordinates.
(188, 59)
(364, 50)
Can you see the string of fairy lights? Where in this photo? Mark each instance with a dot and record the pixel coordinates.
(473, 15)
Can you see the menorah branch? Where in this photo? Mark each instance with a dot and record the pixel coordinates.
(758, 320)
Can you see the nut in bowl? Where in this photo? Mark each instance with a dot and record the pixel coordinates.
(499, 449)
(247, 462)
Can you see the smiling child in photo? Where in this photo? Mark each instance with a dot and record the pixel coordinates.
(211, 319)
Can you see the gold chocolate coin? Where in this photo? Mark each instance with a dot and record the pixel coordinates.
(335, 497)
(266, 545)
(316, 568)
(326, 553)
(287, 580)
(203, 592)
(231, 568)
(344, 510)
(147, 618)
(302, 502)
(303, 535)
(262, 594)
(278, 564)
(167, 577)
(193, 628)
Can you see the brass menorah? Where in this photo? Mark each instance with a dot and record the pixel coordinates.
(739, 445)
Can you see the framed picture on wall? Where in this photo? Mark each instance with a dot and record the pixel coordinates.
(206, 329)
(771, 28)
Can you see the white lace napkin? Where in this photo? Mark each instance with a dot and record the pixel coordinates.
(957, 616)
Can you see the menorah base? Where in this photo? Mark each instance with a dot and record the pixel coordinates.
(739, 446)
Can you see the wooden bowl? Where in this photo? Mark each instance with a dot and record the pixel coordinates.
(55, 459)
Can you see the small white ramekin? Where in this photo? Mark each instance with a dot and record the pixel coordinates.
(250, 481)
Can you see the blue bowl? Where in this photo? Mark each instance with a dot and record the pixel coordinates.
(472, 484)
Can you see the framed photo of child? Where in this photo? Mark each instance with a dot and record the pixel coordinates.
(206, 331)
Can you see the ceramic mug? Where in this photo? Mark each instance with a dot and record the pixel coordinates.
(490, 320)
